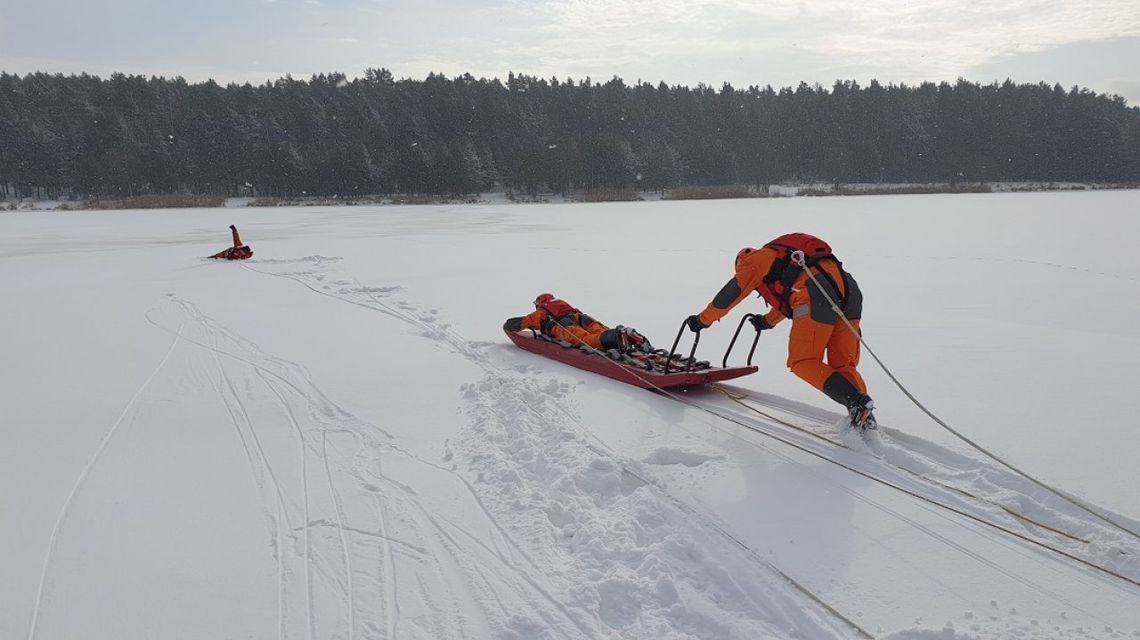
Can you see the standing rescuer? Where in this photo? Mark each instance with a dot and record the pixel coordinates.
(816, 327)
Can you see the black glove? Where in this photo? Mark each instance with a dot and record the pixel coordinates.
(760, 322)
(694, 323)
(513, 324)
(233, 228)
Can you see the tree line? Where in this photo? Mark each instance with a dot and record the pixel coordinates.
(81, 135)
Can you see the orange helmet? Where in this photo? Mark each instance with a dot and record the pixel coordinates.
(542, 299)
(743, 252)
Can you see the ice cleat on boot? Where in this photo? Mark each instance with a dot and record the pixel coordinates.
(633, 340)
(612, 340)
(860, 409)
(861, 413)
(622, 339)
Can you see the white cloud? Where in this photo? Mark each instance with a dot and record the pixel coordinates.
(909, 40)
(679, 41)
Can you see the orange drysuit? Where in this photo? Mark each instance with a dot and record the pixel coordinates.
(817, 331)
(575, 327)
(236, 252)
(558, 319)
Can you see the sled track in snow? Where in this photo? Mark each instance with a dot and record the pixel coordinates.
(913, 453)
(462, 346)
(771, 433)
(441, 332)
(714, 411)
(740, 400)
(960, 512)
(888, 510)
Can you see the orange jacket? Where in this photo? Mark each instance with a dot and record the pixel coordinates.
(236, 252)
(750, 273)
(534, 320)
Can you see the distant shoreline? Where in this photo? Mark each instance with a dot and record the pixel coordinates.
(728, 192)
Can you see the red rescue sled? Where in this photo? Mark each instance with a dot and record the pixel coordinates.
(682, 371)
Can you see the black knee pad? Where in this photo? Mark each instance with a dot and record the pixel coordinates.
(611, 339)
(840, 389)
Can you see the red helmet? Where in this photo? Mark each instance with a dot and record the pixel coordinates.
(743, 252)
(542, 299)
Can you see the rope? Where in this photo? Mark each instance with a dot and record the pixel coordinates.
(876, 479)
(862, 633)
(917, 495)
(921, 476)
(799, 260)
(868, 476)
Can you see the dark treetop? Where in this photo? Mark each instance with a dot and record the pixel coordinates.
(130, 135)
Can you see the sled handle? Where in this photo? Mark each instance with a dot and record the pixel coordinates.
(755, 341)
(673, 350)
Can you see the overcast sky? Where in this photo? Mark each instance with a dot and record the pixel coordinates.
(1092, 43)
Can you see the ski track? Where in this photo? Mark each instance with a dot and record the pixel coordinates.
(350, 578)
(628, 606)
(306, 516)
(578, 542)
(894, 452)
(341, 529)
(232, 402)
(53, 540)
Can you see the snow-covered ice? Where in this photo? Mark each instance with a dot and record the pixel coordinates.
(335, 440)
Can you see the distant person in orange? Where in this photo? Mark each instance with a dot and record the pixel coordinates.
(561, 321)
(237, 252)
(816, 327)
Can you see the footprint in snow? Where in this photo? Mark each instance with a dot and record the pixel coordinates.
(670, 456)
(317, 259)
(370, 290)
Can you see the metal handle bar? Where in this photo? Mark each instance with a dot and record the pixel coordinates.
(755, 341)
(673, 349)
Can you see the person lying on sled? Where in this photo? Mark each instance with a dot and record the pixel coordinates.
(237, 252)
(561, 321)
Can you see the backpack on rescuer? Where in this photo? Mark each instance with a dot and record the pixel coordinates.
(557, 312)
(784, 273)
(554, 307)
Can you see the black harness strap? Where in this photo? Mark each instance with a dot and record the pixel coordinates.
(843, 293)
